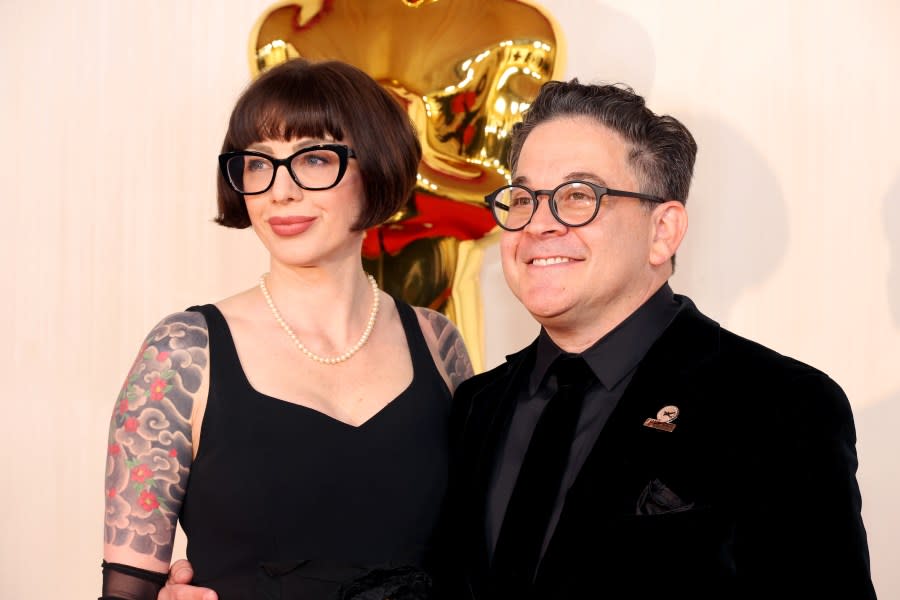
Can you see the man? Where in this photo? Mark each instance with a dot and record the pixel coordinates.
(636, 449)
(699, 464)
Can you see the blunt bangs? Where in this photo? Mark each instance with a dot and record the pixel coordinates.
(282, 110)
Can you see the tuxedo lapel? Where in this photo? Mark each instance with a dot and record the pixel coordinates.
(489, 415)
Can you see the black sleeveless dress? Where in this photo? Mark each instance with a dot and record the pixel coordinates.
(284, 501)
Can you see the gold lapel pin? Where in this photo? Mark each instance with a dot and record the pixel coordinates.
(664, 418)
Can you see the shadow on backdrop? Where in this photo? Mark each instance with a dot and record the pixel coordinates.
(879, 444)
(892, 231)
(609, 38)
(878, 447)
(738, 221)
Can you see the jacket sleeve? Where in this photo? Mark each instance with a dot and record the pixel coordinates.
(807, 533)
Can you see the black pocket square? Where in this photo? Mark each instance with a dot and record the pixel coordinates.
(657, 499)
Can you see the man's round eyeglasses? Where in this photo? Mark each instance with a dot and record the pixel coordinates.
(573, 203)
(319, 167)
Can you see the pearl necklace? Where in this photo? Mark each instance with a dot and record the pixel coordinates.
(325, 360)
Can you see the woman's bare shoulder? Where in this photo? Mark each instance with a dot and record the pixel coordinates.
(447, 346)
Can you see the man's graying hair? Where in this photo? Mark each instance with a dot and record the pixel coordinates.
(661, 150)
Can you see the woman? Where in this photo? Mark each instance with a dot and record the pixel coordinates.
(298, 428)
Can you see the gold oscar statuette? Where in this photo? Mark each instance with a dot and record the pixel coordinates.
(464, 70)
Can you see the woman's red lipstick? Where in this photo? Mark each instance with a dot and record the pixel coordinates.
(289, 226)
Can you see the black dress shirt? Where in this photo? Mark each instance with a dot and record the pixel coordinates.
(614, 359)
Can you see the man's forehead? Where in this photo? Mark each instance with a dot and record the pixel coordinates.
(572, 147)
(580, 175)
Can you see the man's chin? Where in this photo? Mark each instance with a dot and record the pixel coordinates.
(549, 313)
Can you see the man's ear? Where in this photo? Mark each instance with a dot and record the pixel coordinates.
(670, 223)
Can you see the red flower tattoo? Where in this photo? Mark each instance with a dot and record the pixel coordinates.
(173, 452)
(148, 500)
(111, 492)
(131, 424)
(123, 406)
(114, 449)
(162, 356)
(141, 473)
(158, 389)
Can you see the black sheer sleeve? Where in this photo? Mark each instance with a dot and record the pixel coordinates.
(124, 582)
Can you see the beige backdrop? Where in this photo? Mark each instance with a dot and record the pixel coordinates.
(112, 115)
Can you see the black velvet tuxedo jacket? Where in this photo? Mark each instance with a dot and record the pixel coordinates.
(752, 495)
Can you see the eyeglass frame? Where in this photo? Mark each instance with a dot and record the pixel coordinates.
(344, 153)
(599, 190)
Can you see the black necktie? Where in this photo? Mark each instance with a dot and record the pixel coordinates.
(524, 527)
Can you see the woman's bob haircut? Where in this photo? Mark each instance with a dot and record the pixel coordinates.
(327, 100)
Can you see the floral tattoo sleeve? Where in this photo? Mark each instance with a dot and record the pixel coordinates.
(150, 446)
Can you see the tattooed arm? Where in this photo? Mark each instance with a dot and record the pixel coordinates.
(446, 345)
(151, 442)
